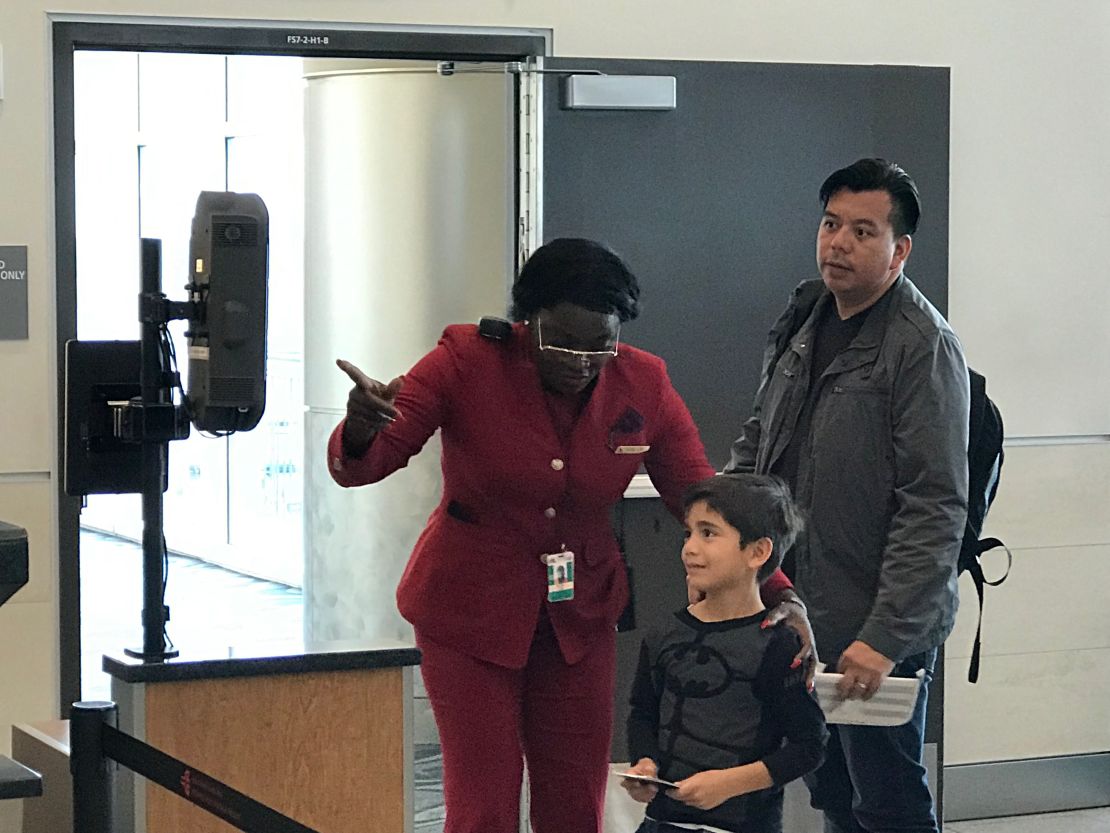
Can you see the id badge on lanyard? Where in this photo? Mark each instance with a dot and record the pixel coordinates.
(560, 576)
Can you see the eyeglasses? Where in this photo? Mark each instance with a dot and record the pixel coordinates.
(584, 356)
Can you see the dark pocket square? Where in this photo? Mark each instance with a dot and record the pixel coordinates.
(630, 421)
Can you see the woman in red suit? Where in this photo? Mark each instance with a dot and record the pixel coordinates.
(543, 426)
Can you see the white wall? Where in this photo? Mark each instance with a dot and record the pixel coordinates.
(1030, 123)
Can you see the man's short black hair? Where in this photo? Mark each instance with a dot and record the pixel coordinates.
(755, 505)
(576, 271)
(879, 175)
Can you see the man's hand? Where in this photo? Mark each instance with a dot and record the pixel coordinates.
(864, 670)
(369, 408)
(640, 791)
(706, 790)
(791, 611)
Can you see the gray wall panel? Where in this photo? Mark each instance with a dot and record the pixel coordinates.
(715, 207)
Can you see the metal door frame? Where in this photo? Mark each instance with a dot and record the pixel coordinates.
(70, 33)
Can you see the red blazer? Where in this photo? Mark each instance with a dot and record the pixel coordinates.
(512, 491)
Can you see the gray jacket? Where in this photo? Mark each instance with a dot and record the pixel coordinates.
(884, 482)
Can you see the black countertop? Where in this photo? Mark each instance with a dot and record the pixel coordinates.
(16, 781)
(265, 659)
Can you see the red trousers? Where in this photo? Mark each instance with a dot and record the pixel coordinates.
(558, 717)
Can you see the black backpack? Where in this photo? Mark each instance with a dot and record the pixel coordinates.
(984, 465)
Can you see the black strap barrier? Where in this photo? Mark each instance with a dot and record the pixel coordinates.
(190, 783)
(197, 787)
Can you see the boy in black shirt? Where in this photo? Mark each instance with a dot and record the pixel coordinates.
(719, 705)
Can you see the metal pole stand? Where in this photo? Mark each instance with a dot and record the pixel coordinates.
(155, 450)
(93, 773)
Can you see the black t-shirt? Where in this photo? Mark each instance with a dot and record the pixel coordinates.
(831, 336)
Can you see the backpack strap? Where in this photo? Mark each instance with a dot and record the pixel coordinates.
(975, 570)
(988, 544)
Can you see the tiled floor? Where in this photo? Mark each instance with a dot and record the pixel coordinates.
(1079, 821)
(254, 610)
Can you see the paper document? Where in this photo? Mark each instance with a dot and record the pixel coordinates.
(645, 779)
(892, 704)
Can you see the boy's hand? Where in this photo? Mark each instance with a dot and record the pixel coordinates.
(693, 596)
(640, 791)
(708, 789)
(705, 790)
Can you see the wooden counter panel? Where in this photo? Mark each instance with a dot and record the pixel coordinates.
(345, 774)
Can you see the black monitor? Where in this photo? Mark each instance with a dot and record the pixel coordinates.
(13, 560)
(96, 460)
(107, 419)
(228, 260)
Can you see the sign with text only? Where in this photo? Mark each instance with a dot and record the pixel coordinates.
(13, 293)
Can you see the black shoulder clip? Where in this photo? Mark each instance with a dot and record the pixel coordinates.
(497, 329)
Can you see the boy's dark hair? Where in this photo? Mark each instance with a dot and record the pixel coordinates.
(577, 271)
(755, 505)
(879, 175)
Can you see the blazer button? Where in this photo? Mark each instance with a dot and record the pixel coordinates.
(557, 464)
(549, 512)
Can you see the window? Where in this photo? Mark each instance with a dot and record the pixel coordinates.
(152, 130)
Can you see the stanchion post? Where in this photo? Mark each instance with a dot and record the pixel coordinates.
(93, 799)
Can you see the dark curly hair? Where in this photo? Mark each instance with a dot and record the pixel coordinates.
(576, 271)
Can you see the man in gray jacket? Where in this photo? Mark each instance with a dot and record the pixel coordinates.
(863, 410)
